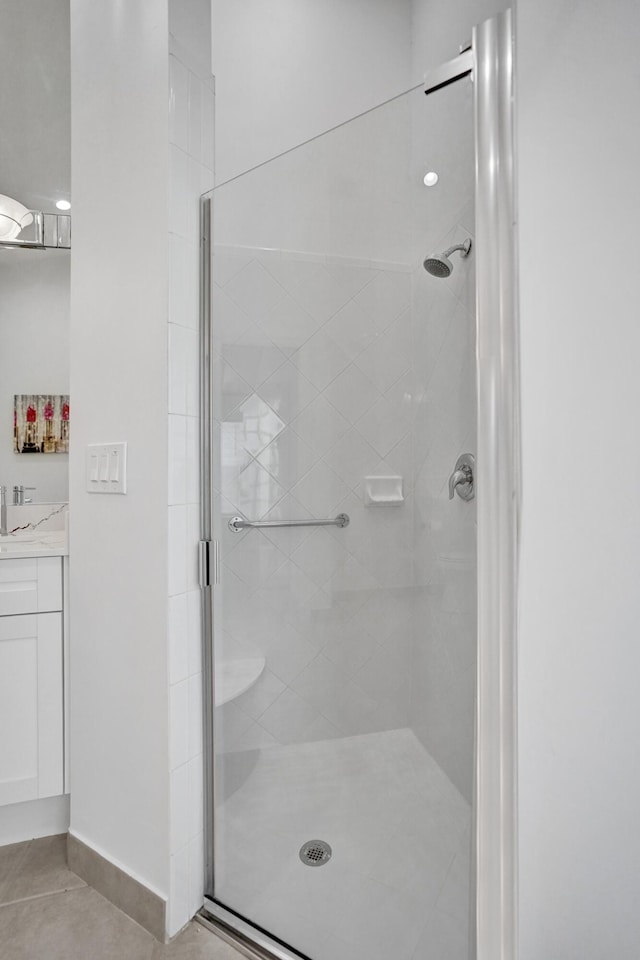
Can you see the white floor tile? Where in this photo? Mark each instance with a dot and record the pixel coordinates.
(396, 887)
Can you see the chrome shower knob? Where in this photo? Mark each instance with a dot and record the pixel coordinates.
(461, 480)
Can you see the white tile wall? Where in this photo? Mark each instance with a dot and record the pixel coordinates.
(178, 630)
(307, 407)
(179, 724)
(191, 105)
(337, 605)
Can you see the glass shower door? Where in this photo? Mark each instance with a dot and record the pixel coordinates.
(344, 619)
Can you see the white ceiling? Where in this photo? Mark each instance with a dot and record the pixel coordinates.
(35, 106)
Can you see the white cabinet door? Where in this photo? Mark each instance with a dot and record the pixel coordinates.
(31, 711)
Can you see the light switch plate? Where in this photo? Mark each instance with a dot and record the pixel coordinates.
(107, 467)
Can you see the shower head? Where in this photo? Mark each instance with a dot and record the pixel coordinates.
(441, 266)
(438, 266)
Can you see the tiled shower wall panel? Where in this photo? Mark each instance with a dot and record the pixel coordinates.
(313, 393)
(444, 648)
(191, 107)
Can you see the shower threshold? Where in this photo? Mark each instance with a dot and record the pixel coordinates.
(249, 940)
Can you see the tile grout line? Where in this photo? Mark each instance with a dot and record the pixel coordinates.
(15, 870)
(49, 893)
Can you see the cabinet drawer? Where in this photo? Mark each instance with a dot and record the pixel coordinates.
(30, 585)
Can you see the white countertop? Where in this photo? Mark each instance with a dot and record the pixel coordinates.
(20, 546)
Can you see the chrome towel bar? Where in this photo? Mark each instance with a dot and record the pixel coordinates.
(236, 524)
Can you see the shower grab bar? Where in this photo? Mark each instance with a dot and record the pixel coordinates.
(236, 524)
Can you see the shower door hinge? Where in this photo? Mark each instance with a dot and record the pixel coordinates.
(209, 563)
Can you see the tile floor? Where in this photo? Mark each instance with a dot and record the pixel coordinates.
(397, 885)
(49, 913)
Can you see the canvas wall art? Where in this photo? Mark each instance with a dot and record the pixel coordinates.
(41, 423)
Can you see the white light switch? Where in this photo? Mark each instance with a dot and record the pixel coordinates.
(114, 465)
(107, 468)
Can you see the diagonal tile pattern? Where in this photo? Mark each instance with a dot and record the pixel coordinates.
(313, 397)
(321, 359)
(35, 868)
(254, 290)
(288, 325)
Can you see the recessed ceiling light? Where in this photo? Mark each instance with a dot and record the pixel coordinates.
(430, 179)
(65, 205)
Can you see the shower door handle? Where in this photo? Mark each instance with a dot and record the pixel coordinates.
(462, 479)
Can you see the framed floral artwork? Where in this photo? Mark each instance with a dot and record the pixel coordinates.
(41, 423)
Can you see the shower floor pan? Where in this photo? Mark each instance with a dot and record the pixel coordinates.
(397, 883)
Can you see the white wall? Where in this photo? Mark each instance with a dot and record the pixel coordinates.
(34, 110)
(143, 140)
(119, 312)
(344, 194)
(34, 325)
(579, 659)
(190, 28)
(191, 109)
(288, 70)
(35, 114)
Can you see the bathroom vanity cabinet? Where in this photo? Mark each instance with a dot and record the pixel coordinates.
(31, 676)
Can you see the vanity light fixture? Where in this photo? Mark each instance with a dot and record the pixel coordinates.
(13, 217)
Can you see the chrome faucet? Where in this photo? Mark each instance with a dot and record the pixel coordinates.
(18, 496)
(3, 511)
(461, 480)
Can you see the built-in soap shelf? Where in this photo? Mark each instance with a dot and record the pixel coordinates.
(235, 677)
(383, 491)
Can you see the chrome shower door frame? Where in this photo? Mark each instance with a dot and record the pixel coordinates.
(498, 479)
(490, 62)
(207, 575)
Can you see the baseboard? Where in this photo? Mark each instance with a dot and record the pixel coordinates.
(143, 905)
(34, 818)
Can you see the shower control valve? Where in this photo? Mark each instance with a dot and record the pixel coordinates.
(461, 480)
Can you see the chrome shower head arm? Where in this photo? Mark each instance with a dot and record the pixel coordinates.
(464, 249)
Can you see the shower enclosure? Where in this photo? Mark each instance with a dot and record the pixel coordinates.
(339, 557)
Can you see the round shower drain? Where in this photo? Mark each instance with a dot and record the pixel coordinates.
(315, 853)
